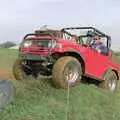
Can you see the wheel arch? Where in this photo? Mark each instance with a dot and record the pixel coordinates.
(116, 72)
(77, 56)
(111, 69)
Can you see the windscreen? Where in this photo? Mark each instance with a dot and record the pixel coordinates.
(42, 43)
(79, 32)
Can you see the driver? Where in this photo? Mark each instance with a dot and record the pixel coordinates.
(97, 44)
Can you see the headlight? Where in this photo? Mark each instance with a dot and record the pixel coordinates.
(52, 44)
(58, 45)
(27, 43)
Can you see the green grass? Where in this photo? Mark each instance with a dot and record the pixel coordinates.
(7, 58)
(39, 100)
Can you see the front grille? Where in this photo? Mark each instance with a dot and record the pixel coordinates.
(41, 43)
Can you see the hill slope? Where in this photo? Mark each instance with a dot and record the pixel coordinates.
(39, 100)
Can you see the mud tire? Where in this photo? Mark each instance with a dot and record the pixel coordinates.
(18, 71)
(59, 72)
(110, 81)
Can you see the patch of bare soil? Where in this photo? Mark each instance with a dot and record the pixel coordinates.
(4, 74)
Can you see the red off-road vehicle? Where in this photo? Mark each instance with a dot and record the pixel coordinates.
(68, 56)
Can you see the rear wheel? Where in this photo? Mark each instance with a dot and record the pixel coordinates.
(66, 72)
(110, 81)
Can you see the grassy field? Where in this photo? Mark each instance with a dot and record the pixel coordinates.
(39, 100)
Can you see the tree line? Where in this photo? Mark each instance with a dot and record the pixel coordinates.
(7, 44)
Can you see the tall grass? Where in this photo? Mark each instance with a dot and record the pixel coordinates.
(37, 99)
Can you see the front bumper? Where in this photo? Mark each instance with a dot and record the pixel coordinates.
(34, 57)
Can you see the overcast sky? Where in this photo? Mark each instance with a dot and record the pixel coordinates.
(18, 17)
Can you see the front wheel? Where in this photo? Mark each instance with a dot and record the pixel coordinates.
(110, 80)
(67, 71)
(19, 72)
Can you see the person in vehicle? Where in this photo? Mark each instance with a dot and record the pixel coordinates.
(97, 44)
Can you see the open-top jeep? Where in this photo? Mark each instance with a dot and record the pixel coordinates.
(67, 55)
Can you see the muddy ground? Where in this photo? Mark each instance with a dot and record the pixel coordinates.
(4, 74)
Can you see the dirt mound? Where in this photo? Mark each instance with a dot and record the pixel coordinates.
(4, 74)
